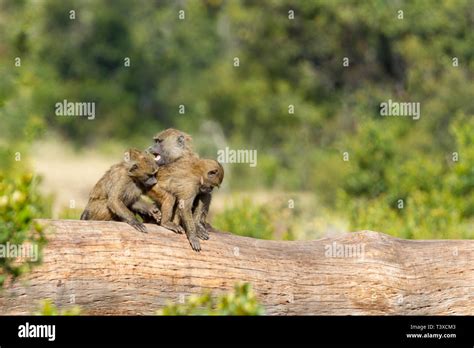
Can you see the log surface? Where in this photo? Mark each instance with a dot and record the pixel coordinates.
(110, 268)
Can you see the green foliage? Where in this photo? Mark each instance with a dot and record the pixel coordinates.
(461, 179)
(423, 216)
(78, 59)
(372, 156)
(70, 213)
(336, 107)
(48, 308)
(246, 219)
(422, 199)
(241, 301)
(20, 203)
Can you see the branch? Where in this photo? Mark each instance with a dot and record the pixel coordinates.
(110, 268)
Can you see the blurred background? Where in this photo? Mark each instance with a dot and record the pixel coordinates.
(333, 165)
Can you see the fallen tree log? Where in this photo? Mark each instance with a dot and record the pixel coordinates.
(110, 268)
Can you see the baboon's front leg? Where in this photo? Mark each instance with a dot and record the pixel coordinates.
(185, 211)
(167, 201)
(120, 210)
(202, 209)
(144, 207)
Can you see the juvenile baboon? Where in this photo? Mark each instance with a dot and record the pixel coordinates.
(202, 203)
(118, 194)
(171, 145)
(181, 182)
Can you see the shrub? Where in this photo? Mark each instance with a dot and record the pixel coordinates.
(241, 301)
(47, 307)
(435, 196)
(246, 219)
(20, 203)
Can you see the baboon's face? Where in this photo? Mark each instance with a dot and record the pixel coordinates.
(206, 188)
(170, 145)
(214, 175)
(143, 168)
(157, 151)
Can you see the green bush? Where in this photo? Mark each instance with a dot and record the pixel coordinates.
(461, 179)
(47, 307)
(246, 219)
(423, 197)
(372, 154)
(241, 301)
(435, 215)
(20, 203)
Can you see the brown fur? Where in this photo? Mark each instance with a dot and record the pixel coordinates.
(118, 194)
(172, 145)
(182, 181)
(202, 202)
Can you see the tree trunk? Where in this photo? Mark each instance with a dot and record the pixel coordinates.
(110, 268)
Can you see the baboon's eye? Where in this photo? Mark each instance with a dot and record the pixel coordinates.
(212, 173)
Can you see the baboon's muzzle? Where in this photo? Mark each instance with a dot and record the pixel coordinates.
(151, 181)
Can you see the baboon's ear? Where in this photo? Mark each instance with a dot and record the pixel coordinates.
(132, 155)
(181, 140)
(133, 166)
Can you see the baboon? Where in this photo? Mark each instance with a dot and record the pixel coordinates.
(202, 203)
(118, 194)
(182, 181)
(169, 146)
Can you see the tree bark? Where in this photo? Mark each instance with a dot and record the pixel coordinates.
(110, 268)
